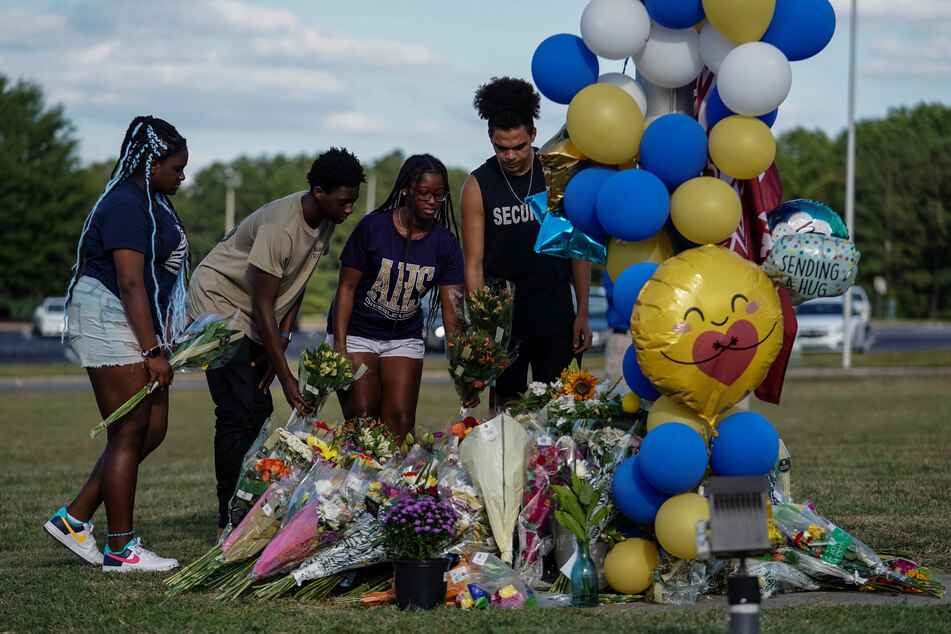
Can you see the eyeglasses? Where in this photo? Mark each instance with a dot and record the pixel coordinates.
(437, 196)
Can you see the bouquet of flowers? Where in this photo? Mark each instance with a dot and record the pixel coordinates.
(490, 309)
(494, 456)
(274, 448)
(207, 343)
(821, 545)
(246, 540)
(418, 527)
(322, 370)
(475, 362)
(478, 354)
(542, 462)
(366, 439)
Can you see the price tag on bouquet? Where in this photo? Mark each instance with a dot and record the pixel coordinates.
(268, 511)
(543, 441)
(480, 558)
(458, 574)
(489, 430)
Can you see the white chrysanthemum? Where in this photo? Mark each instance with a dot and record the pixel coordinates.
(538, 388)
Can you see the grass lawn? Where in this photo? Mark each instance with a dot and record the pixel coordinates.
(870, 453)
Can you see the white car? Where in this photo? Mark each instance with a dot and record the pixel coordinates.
(822, 324)
(49, 318)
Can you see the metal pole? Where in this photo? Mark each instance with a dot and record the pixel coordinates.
(850, 190)
(233, 180)
(371, 191)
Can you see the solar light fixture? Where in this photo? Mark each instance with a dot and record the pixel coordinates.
(738, 528)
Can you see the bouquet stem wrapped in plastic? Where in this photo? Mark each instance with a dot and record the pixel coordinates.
(207, 343)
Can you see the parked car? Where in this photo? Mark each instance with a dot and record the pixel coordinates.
(598, 318)
(822, 324)
(434, 335)
(49, 318)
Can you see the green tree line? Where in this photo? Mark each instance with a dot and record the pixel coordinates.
(901, 200)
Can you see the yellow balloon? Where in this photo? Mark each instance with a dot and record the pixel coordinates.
(707, 327)
(628, 566)
(705, 210)
(676, 523)
(605, 123)
(663, 410)
(622, 254)
(631, 402)
(740, 20)
(742, 147)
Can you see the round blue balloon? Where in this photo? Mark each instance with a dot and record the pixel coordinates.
(746, 444)
(800, 28)
(634, 495)
(633, 205)
(675, 14)
(562, 65)
(635, 379)
(674, 148)
(717, 111)
(581, 197)
(627, 286)
(673, 458)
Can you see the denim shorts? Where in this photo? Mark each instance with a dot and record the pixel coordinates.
(411, 348)
(98, 328)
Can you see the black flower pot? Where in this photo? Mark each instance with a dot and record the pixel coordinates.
(420, 583)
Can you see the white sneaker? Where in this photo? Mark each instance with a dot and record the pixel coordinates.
(75, 536)
(135, 557)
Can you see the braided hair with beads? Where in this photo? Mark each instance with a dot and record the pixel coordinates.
(147, 140)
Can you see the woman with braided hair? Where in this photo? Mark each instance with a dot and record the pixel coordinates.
(394, 257)
(125, 305)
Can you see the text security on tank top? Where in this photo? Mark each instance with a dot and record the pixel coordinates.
(541, 281)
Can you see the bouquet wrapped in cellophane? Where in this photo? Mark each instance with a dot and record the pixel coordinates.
(323, 370)
(478, 354)
(207, 343)
(826, 552)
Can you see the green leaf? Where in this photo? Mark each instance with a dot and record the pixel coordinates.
(569, 522)
(599, 515)
(586, 495)
(569, 502)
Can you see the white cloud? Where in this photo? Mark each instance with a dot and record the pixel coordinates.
(353, 122)
(29, 30)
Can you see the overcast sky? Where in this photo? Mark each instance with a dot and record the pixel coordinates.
(262, 78)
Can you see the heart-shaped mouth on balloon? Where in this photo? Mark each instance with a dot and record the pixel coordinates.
(725, 356)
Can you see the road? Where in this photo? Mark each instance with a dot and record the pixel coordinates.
(18, 344)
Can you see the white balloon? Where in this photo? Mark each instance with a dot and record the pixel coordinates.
(754, 78)
(671, 58)
(615, 29)
(714, 46)
(629, 85)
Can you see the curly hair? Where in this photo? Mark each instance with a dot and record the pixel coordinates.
(507, 103)
(335, 168)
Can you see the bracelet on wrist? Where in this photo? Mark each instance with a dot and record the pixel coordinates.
(286, 335)
(151, 353)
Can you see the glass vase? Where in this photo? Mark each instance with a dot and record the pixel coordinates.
(584, 578)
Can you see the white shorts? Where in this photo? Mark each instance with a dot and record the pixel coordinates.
(410, 348)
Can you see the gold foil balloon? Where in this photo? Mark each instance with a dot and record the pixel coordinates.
(707, 327)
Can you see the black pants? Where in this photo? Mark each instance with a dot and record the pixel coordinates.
(241, 408)
(546, 345)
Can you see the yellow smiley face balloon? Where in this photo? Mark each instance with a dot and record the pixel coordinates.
(706, 327)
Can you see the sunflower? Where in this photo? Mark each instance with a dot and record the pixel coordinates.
(580, 385)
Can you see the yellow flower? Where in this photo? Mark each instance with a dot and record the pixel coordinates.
(816, 531)
(580, 385)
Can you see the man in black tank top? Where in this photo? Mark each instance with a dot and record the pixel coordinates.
(498, 239)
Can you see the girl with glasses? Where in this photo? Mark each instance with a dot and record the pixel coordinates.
(395, 256)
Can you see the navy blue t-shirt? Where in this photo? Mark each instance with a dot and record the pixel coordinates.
(391, 290)
(122, 221)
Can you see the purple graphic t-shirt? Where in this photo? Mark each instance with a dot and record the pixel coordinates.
(387, 301)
